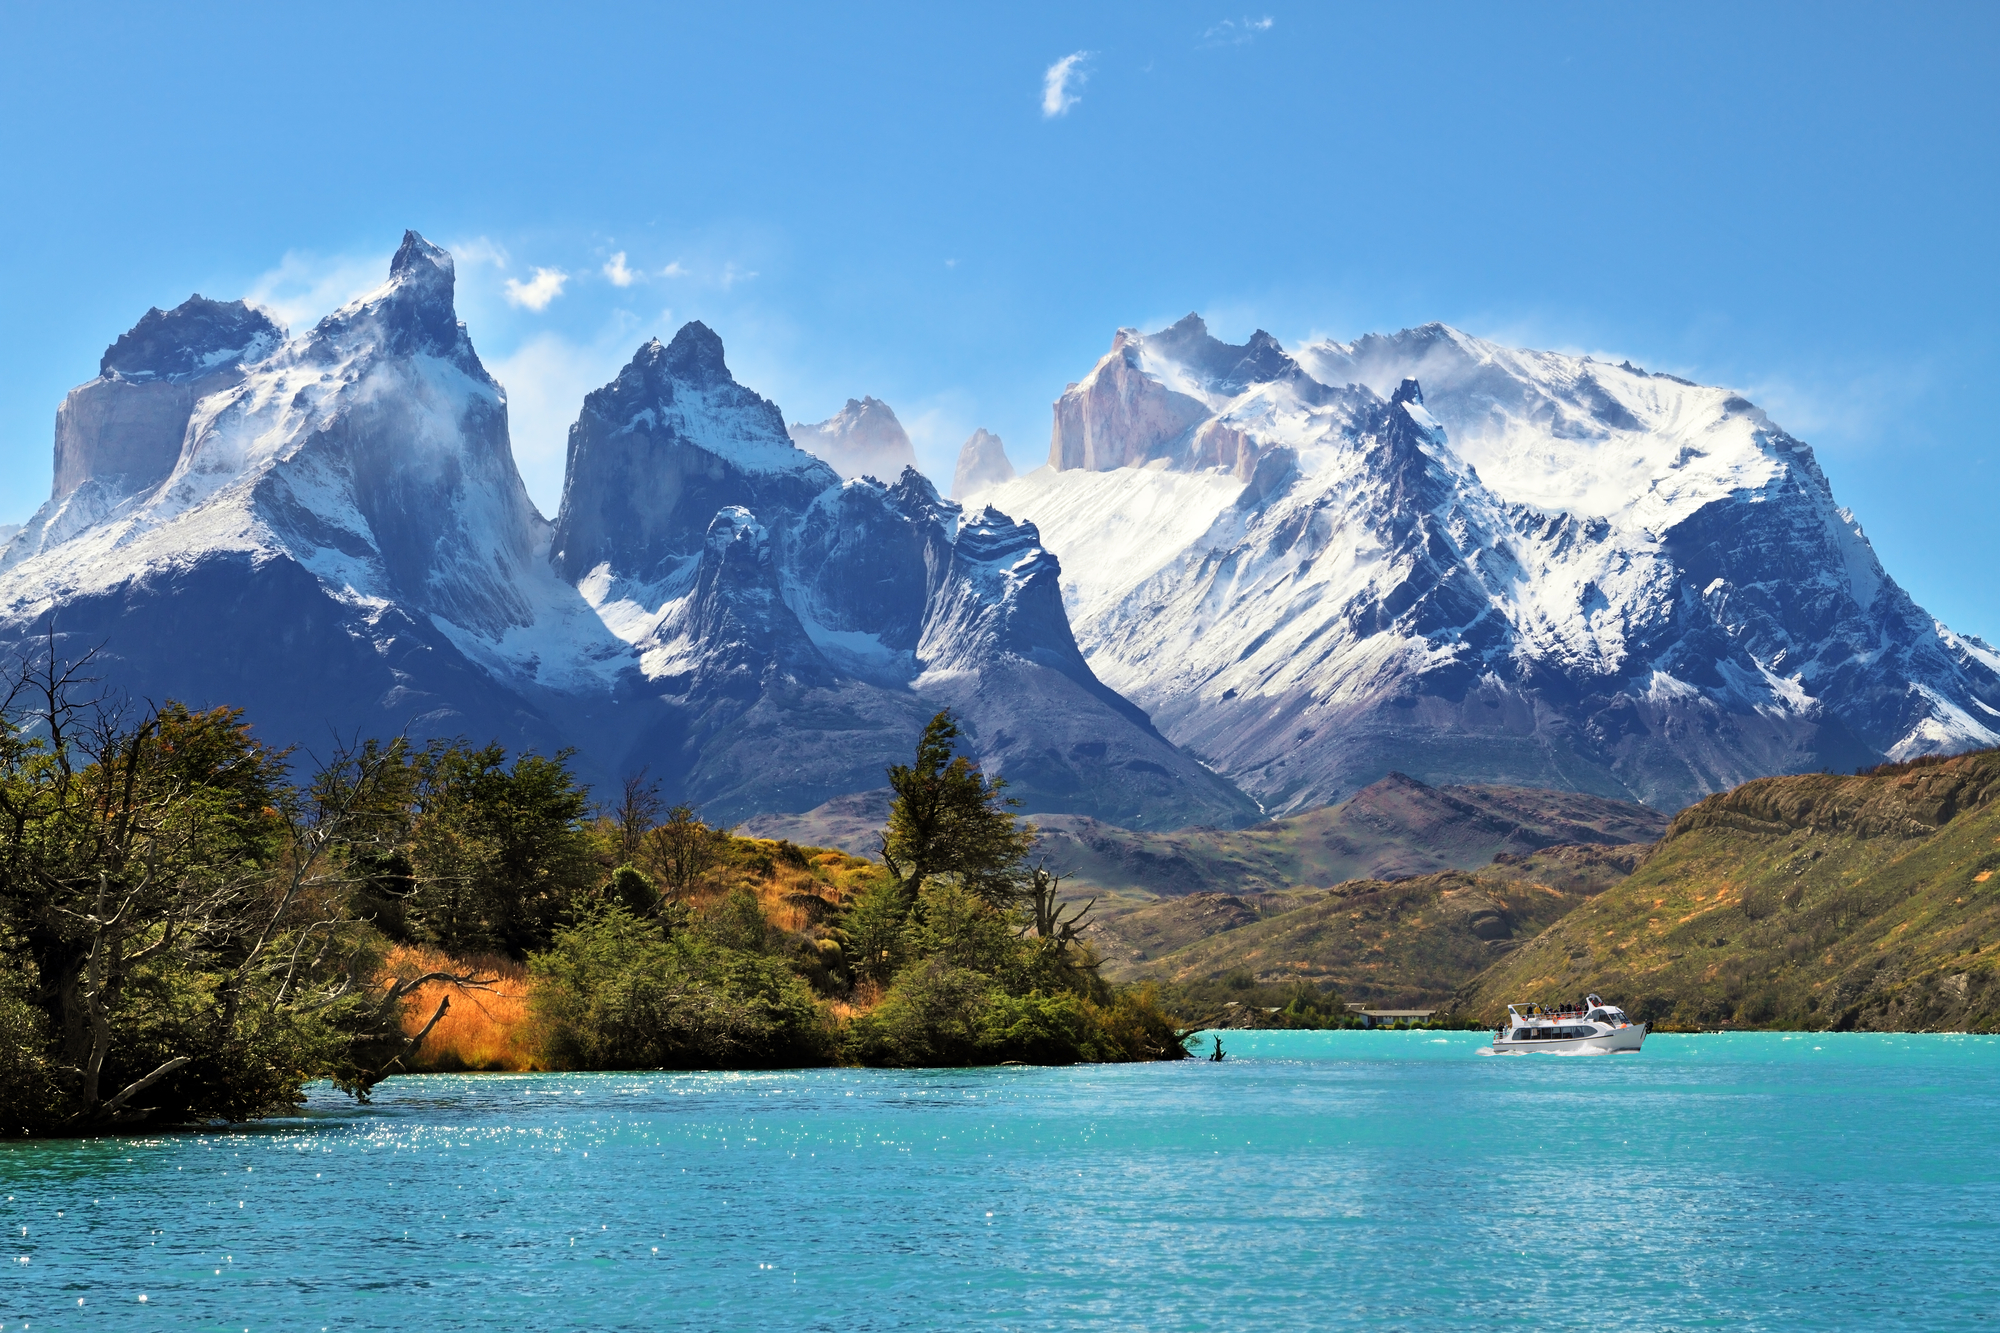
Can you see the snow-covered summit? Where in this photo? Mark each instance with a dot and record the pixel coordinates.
(373, 450)
(1431, 553)
(656, 452)
(119, 435)
(194, 339)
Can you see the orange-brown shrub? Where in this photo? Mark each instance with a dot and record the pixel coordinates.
(486, 1028)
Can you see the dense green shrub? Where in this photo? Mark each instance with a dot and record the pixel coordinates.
(977, 992)
(615, 992)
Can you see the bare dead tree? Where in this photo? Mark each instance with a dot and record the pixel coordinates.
(1047, 917)
(639, 809)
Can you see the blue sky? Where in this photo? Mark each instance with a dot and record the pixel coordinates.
(1794, 200)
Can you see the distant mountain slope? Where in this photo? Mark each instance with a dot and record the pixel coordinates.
(1390, 942)
(1432, 554)
(1812, 901)
(862, 439)
(1394, 827)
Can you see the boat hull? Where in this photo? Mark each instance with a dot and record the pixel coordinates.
(1617, 1040)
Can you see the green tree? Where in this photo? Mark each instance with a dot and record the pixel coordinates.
(612, 993)
(947, 818)
(500, 850)
(173, 915)
(683, 849)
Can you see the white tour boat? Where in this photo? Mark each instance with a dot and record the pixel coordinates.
(1592, 1026)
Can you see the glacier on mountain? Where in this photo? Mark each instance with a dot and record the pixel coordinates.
(1433, 554)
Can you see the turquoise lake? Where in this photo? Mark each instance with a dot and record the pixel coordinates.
(1311, 1181)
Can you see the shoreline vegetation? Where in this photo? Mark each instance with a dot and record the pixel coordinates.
(190, 933)
(194, 926)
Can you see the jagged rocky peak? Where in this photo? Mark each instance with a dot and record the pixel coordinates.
(414, 313)
(1218, 367)
(663, 447)
(1001, 594)
(982, 462)
(1161, 395)
(862, 439)
(198, 337)
(733, 629)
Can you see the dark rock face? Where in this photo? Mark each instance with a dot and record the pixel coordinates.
(737, 616)
(659, 450)
(867, 558)
(195, 338)
(267, 637)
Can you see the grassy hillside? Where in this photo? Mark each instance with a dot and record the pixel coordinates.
(1410, 940)
(1799, 902)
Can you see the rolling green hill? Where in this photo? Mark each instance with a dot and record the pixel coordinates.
(1814, 901)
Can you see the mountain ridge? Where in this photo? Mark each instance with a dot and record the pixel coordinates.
(1428, 553)
(343, 543)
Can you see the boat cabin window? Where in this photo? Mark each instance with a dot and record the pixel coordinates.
(1599, 1016)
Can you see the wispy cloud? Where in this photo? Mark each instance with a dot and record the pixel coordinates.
(1237, 32)
(478, 250)
(1062, 83)
(303, 287)
(731, 275)
(537, 292)
(616, 271)
(674, 270)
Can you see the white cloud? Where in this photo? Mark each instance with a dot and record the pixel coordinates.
(616, 271)
(305, 287)
(731, 275)
(673, 270)
(1236, 32)
(536, 293)
(1058, 82)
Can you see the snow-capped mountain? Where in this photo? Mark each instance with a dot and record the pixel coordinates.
(862, 439)
(1432, 554)
(797, 630)
(309, 534)
(329, 532)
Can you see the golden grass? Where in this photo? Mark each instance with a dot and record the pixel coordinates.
(486, 1028)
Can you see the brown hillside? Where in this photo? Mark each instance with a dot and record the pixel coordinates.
(1409, 940)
